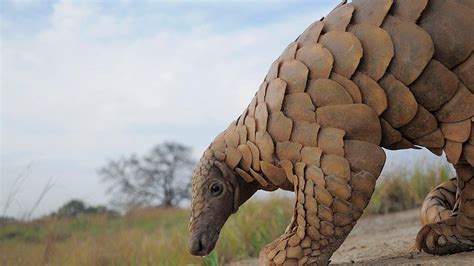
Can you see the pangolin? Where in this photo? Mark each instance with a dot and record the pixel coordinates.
(394, 74)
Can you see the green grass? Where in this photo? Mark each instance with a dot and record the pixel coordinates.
(142, 237)
(159, 236)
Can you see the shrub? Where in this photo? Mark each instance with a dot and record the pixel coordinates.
(400, 190)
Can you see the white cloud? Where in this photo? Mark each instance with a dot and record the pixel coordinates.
(92, 86)
(75, 92)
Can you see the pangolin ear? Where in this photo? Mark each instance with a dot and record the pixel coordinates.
(227, 174)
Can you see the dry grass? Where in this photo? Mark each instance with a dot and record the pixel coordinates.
(144, 237)
(401, 190)
(147, 237)
(159, 236)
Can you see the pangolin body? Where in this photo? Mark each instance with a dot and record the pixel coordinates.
(371, 74)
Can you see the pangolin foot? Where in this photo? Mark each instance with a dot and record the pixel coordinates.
(443, 238)
(288, 250)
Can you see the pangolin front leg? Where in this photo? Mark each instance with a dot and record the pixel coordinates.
(456, 233)
(332, 191)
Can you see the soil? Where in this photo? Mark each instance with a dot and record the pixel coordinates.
(387, 239)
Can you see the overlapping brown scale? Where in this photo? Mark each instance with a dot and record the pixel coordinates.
(317, 58)
(345, 49)
(364, 156)
(363, 182)
(231, 138)
(265, 146)
(349, 85)
(323, 197)
(247, 177)
(251, 107)
(273, 71)
(402, 106)
(299, 107)
(460, 107)
(435, 75)
(287, 150)
(275, 94)
(378, 49)
(251, 128)
(219, 155)
(458, 131)
(276, 175)
(246, 161)
(421, 125)
(259, 178)
(311, 155)
(287, 167)
(232, 157)
(409, 10)
(468, 153)
(325, 92)
(359, 200)
(412, 56)
(337, 166)
(372, 94)
(338, 187)
(370, 12)
(261, 117)
(242, 131)
(453, 151)
(432, 140)
(464, 72)
(471, 138)
(219, 143)
(295, 73)
(241, 119)
(279, 126)
(449, 24)
(316, 175)
(341, 206)
(389, 134)
(289, 53)
(359, 121)
(401, 145)
(305, 133)
(311, 34)
(467, 3)
(331, 140)
(255, 155)
(232, 126)
(325, 213)
(261, 92)
(327, 228)
(338, 18)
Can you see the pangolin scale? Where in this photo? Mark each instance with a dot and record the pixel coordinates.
(395, 74)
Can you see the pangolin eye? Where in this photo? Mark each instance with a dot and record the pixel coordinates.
(216, 189)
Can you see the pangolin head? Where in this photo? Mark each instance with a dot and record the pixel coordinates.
(217, 192)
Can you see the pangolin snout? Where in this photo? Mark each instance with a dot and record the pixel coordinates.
(201, 245)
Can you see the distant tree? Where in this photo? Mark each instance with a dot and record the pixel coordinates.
(76, 207)
(72, 208)
(160, 178)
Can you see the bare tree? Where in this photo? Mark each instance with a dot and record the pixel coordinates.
(160, 178)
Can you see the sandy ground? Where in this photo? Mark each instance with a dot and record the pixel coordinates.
(387, 240)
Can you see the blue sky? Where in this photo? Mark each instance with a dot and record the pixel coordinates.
(86, 81)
